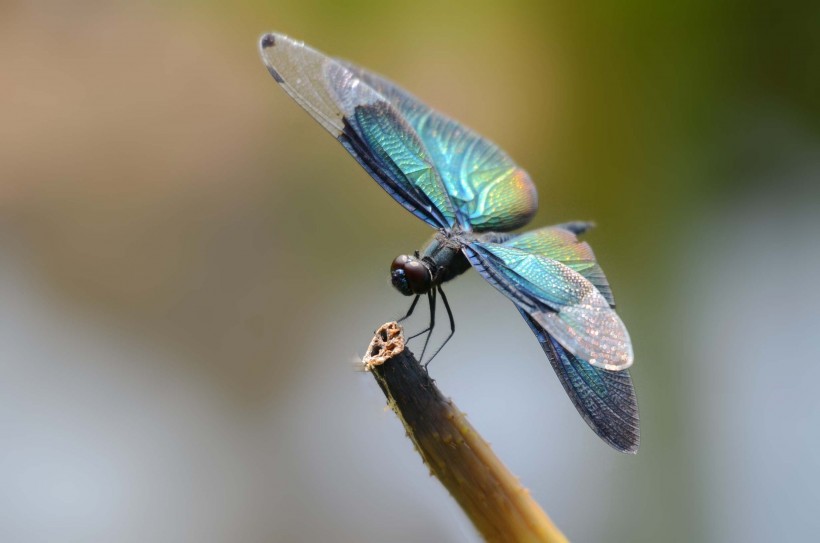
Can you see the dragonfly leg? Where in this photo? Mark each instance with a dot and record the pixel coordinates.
(431, 297)
(452, 325)
(412, 307)
(432, 319)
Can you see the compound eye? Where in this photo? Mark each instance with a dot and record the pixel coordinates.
(399, 263)
(418, 278)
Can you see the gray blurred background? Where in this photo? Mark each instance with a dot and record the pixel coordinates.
(175, 233)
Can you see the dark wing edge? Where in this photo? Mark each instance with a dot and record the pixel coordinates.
(424, 210)
(604, 399)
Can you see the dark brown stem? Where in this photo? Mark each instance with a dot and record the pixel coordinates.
(499, 507)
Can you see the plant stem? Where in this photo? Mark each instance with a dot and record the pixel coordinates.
(500, 508)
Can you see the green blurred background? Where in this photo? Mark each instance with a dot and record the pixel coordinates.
(189, 266)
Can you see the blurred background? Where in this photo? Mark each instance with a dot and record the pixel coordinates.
(176, 235)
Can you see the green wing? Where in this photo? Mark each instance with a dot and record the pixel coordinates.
(365, 122)
(567, 305)
(561, 243)
(487, 188)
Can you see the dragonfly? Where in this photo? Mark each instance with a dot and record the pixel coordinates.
(474, 196)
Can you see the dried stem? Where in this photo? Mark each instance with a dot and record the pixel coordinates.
(499, 507)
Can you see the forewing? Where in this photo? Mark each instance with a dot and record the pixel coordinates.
(487, 188)
(567, 305)
(562, 244)
(365, 122)
(605, 399)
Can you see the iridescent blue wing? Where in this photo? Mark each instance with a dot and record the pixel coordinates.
(561, 300)
(365, 122)
(487, 188)
(605, 399)
(562, 244)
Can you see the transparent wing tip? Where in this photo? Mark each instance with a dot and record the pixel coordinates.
(273, 39)
(622, 359)
(267, 42)
(595, 334)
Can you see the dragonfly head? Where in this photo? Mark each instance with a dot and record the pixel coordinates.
(410, 275)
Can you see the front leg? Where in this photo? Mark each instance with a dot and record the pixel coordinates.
(412, 307)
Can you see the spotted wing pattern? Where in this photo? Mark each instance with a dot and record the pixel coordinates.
(487, 188)
(365, 122)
